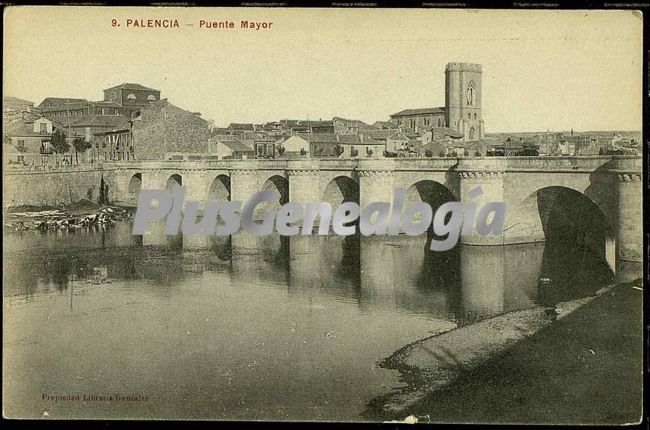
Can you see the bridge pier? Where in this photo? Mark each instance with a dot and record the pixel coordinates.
(376, 181)
(629, 217)
(489, 175)
(304, 181)
(197, 184)
(243, 181)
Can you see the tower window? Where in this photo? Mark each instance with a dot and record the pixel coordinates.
(470, 93)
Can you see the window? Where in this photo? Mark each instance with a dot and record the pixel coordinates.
(151, 98)
(470, 93)
(474, 116)
(469, 116)
(131, 97)
(21, 159)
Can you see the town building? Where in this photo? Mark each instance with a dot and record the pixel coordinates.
(87, 125)
(161, 127)
(114, 145)
(393, 140)
(295, 146)
(131, 97)
(462, 111)
(238, 128)
(26, 140)
(228, 147)
(350, 126)
(50, 102)
(80, 108)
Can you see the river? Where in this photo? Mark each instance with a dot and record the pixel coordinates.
(244, 327)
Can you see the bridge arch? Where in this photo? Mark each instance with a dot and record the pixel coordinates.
(431, 192)
(135, 185)
(579, 236)
(173, 180)
(435, 195)
(277, 183)
(341, 189)
(219, 188)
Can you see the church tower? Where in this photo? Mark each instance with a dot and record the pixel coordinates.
(463, 100)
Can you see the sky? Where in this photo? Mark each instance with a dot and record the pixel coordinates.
(555, 70)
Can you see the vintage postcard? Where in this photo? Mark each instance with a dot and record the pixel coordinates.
(278, 214)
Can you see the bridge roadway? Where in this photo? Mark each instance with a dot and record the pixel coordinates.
(608, 189)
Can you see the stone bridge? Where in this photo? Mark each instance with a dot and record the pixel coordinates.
(544, 196)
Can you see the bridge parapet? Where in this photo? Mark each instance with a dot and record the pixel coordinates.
(417, 164)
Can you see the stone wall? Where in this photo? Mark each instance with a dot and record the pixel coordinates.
(51, 187)
(164, 128)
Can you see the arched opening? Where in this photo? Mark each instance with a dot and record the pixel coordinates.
(173, 181)
(472, 133)
(220, 188)
(435, 195)
(577, 234)
(135, 185)
(281, 186)
(341, 189)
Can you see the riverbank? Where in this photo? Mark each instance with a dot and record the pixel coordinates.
(77, 215)
(585, 368)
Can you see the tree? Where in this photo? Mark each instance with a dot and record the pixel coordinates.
(466, 153)
(281, 150)
(303, 152)
(428, 153)
(80, 145)
(441, 153)
(477, 153)
(59, 142)
(369, 152)
(354, 152)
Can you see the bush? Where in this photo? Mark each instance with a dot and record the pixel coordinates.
(466, 153)
(441, 153)
(354, 153)
(477, 153)
(428, 153)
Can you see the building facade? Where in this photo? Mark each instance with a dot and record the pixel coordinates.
(131, 97)
(462, 111)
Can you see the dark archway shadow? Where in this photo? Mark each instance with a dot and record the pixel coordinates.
(574, 262)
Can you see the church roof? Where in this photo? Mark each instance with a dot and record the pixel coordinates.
(421, 111)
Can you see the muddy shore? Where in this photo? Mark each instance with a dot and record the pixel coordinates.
(577, 363)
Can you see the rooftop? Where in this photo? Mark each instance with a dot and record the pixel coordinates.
(420, 111)
(128, 86)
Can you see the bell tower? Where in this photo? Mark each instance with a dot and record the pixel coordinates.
(463, 99)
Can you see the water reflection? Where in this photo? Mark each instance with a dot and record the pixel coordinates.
(246, 327)
(396, 274)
